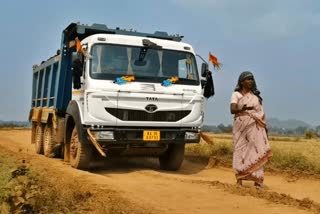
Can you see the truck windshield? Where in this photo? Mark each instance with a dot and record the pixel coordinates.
(111, 61)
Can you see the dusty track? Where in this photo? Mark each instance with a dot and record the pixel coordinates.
(193, 189)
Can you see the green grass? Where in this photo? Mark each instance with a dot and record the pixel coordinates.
(286, 139)
(292, 160)
(296, 154)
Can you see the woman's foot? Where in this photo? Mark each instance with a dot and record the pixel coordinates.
(258, 185)
(239, 182)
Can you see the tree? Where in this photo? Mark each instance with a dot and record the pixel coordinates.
(318, 130)
(301, 130)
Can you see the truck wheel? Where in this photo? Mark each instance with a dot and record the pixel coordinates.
(33, 133)
(172, 159)
(66, 152)
(80, 153)
(48, 143)
(39, 139)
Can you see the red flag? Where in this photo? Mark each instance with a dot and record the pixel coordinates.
(214, 60)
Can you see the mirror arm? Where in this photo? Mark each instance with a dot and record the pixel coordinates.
(203, 83)
(201, 58)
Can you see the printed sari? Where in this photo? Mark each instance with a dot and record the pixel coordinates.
(251, 146)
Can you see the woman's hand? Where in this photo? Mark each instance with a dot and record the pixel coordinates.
(245, 107)
(235, 110)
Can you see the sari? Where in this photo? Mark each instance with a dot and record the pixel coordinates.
(251, 146)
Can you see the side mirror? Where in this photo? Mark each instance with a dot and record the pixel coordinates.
(77, 66)
(77, 63)
(76, 56)
(204, 69)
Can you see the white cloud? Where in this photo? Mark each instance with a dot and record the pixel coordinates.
(260, 19)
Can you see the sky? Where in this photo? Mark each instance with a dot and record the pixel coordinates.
(278, 41)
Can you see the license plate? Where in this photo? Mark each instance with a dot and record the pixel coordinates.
(151, 135)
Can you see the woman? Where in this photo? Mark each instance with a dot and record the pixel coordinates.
(251, 146)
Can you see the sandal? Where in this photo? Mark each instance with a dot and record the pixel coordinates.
(258, 185)
(239, 182)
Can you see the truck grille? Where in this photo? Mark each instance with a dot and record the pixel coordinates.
(137, 115)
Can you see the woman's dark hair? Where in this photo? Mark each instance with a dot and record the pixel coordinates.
(244, 75)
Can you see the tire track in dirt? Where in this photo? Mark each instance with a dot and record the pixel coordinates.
(185, 175)
(271, 196)
(178, 196)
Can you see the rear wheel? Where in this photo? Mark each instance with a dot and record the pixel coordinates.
(80, 153)
(39, 139)
(48, 142)
(33, 132)
(172, 158)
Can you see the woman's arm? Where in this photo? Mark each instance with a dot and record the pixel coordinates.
(234, 109)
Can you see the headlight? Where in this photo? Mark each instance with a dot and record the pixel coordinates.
(191, 136)
(103, 135)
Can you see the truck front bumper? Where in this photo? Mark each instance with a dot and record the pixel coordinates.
(128, 135)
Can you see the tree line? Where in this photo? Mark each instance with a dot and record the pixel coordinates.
(307, 131)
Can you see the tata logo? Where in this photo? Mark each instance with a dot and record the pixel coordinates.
(151, 108)
(152, 98)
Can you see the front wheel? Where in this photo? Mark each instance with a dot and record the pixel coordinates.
(172, 159)
(80, 153)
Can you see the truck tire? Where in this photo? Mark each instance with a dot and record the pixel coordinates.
(48, 142)
(33, 133)
(39, 139)
(80, 153)
(172, 159)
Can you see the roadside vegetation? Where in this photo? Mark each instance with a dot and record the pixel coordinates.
(28, 189)
(292, 154)
(25, 191)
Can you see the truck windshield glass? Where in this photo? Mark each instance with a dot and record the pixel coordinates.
(111, 61)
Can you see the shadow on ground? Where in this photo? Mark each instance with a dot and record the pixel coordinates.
(122, 165)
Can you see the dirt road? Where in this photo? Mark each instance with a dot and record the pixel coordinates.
(193, 189)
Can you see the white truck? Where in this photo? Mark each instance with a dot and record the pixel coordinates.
(113, 92)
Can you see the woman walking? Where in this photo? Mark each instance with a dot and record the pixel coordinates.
(251, 146)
